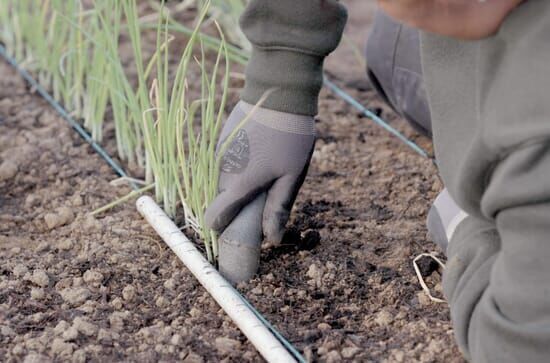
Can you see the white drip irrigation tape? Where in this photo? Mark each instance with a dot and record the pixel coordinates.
(221, 290)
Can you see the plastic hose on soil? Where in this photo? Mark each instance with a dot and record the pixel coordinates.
(118, 169)
(269, 345)
(63, 113)
(239, 258)
(365, 111)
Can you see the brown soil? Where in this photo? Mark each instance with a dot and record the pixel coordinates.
(341, 288)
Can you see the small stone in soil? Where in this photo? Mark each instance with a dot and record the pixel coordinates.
(77, 201)
(398, 356)
(93, 277)
(315, 273)
(7, 331)
(63, 216)
(383, 318)
(129, 293)
(79, 356)
(37, 294)
(85, 327)
(20, 270)
(18, 349)
(170, 284)
(117, 303)
(116, 320)
(193, 357)
(75, 296)
(176, 340)
(8, 169)
(227, 345)
(70, 334)
(32, 200)
(61, 327)
(333, 356)
(350, 352)
(65, 245)
(40, 278)
(61, 349)
(36, 358)
(423, 298)
(91, 224)
(104, 336)
(194, 312)
(161, 302)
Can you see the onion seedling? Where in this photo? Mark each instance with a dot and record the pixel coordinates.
(162, 123)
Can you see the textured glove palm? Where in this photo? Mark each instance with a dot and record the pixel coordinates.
(269, 153)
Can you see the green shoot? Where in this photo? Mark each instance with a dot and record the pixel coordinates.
(162, 125)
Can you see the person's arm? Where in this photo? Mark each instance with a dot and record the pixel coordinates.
(290, 40)
(463, 19)
(270, 153)
(497, 279)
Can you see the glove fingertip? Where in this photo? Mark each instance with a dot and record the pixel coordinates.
(212, 217)
(274, 228)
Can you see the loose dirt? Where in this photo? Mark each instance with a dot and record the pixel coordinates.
(341, 287)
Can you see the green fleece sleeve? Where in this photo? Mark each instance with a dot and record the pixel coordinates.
(491, 117)
(290, 40)
(497, 278)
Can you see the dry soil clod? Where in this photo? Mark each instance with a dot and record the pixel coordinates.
(8, 169)
(61, 217)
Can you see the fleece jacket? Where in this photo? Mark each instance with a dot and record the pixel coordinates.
(290, 40)
(490, 109)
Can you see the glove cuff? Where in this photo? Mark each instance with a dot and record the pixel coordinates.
(281, 121)
(294, 80)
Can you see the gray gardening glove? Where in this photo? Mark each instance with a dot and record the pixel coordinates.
(269, 153)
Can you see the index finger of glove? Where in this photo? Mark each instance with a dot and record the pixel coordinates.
(226, 206)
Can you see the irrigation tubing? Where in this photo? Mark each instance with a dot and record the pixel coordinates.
(379, 121)
(120, 171)
(63, 113)
(274, 331)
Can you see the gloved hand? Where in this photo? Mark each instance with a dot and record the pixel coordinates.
(269, 153)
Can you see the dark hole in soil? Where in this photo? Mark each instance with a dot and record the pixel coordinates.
(370, 267)
(311, 336)
(427, 266)
(84, 266)
(294, 241)
(337, 324)
(318, 295)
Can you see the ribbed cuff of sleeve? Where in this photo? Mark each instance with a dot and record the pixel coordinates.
(292, 78)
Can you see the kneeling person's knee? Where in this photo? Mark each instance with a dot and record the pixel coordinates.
(395, 70)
